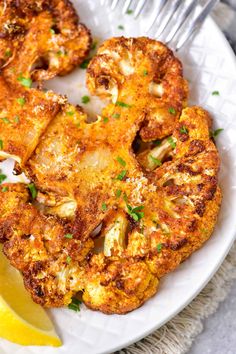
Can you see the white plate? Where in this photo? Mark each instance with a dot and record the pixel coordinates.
(209, 65)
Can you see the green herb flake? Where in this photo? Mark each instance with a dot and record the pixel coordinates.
(156, 161)
(75, 304)
(171, 110)
(85, 63)
(26, 82)
(159, 247)
(122, 104)
(68, 259)
(85, 99)
(216, 132)
(52, 31)
(5, 189)
(121, 161)
(70, 113)
(125, 198)
(105, 120)
(1, 144)
(129, 12)
(136, 212)
(59, 53)
(2, 177)
(121, 175)
(145, 72)
(69, 236)
(5, 120)
(118, 193)
(94, 45)
(21, 101)
(215, 93)
(171, 142)
(104, 207)
(183, 130)
(120, 27)
(16, 119)
(157, 142)
(116, 115)
(8, 53)
(33, 190)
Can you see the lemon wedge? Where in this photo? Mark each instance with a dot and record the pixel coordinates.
(21, 320)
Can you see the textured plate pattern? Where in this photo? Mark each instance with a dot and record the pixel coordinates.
(209, 65)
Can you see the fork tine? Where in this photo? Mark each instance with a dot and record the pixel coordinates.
(159, 9)
(180, 20)
(114, 4)
(139, 7)
(126, 6)
(168, 16)
(196, 23)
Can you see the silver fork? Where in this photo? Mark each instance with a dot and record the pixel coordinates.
(174, 30)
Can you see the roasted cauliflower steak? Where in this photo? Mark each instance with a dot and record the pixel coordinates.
(136, 190)
(40, 39)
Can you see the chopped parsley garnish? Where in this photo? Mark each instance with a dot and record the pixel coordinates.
(8, 53)
(116, 115)
(85, 99)
(33, 190)
(104, 207)
(118, 193)
(121, 27)
(171, 142)
(69, 236)
(129, 12)
(136, 212)
(52, 31)
(156, 161)
(75, 304)
(70, 113)
(2, 177)
(1, 144)
(5, 189)
(26, 82)
(16, 119)
(157, 142)
(94, 45)
(5, 120)
(183, 130)
(145, 72)
(216, 132)
(159, 247)
(122, 104)
(85, 63)
(105, 120)
(121, 175)
(215, 93)
(121, 161)
(68, 259)
(59, 52)
(21, 101)
(172, 110)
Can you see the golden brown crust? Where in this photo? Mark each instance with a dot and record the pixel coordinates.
(41, 39)
(49, 252)
(24, 116)
(125, 68)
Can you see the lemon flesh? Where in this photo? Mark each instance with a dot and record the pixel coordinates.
(21, 320)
